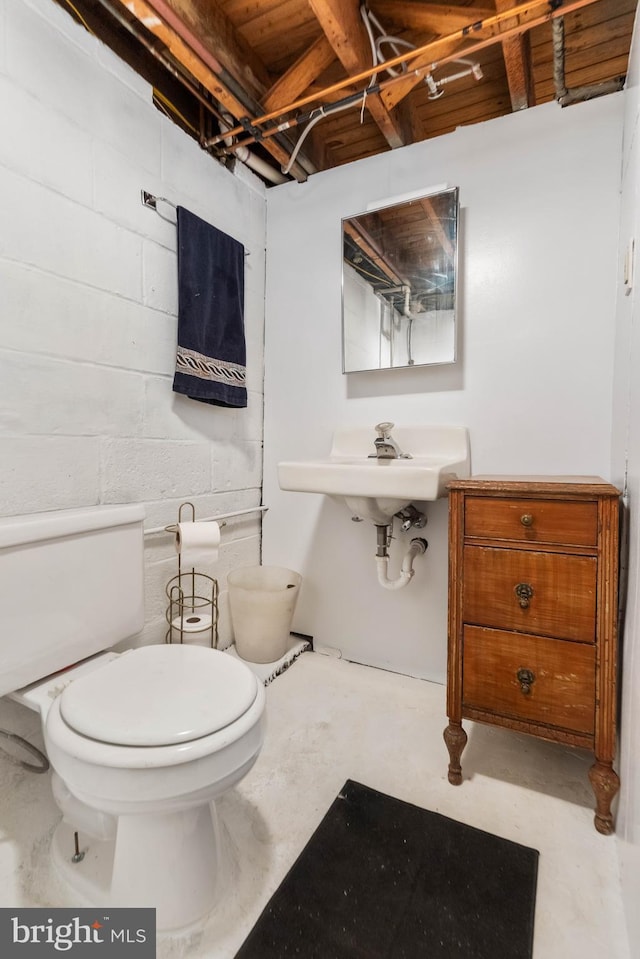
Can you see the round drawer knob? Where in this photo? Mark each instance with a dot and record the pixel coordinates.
(524, 592)
(526, 519)
(526, 678)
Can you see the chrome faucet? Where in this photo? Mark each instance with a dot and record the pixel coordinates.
(386, 446)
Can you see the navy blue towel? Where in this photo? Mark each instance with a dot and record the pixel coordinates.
(211, 357)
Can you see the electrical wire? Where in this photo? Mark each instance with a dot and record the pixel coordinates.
(320, 113)
(164, 101)
(43, 762)
(80, 17)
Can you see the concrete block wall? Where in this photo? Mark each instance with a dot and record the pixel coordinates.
(88, 300)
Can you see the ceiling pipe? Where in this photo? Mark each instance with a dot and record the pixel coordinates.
(155, 52)
(179, 26)
(552, 10)
(395, 42)
(300, 170)
(557, 36)
(565, 96)
(256, 163)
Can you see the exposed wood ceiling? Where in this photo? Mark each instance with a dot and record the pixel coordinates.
(269, 72)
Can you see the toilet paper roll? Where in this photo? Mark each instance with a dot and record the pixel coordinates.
(192, 622)
(197, 543)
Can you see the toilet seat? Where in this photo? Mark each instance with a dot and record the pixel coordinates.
(158, 696)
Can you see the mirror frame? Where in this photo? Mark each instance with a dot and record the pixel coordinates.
(400, 202)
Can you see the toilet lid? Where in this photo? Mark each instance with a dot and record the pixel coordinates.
(159, 696)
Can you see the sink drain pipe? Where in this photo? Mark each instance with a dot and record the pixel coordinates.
(417, 547)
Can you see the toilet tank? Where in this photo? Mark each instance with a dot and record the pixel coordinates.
(71, 585)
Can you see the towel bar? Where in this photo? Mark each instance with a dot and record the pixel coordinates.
(151, 202)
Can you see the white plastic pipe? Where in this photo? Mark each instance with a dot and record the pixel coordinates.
(417, 548)
(259, 165)
(249, 159)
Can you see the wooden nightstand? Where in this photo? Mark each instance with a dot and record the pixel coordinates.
(533, 587)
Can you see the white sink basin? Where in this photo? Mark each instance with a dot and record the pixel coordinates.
(374, 488)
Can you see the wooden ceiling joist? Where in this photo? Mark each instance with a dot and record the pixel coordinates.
(370, 248)
(488, 30)
(301, 75)
(517, 60)
(215, 33)
(484, 34)
(436, 222)
(346, 33)
(199, 62)
(437, 18)
(275, 65)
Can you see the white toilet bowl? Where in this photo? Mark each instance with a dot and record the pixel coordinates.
(141, 745)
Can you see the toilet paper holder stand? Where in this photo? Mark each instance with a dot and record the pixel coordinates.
(192, 607)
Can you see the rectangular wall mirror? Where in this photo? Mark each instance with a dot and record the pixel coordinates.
(399, 274)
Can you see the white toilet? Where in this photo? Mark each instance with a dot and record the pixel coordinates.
(141, 743)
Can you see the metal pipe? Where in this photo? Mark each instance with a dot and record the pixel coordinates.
(557, 36)
(140, 37)
(564, 95)
(382, 539)
(561, 7)
(580, 94)
(311, 117)
(299, 171)
(256, 163)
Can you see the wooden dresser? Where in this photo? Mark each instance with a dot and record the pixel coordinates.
(533, 585)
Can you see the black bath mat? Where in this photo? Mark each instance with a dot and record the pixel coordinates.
(383, 879)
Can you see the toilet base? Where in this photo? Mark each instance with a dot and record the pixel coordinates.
(170, 862)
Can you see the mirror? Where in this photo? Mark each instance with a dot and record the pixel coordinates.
(399, 284)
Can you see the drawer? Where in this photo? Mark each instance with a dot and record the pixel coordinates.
(562, 689)
(562, 603)
(532, 520)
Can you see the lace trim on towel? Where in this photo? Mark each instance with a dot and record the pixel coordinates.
(206, 368)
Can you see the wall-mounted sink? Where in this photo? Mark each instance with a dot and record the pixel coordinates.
(374, 488)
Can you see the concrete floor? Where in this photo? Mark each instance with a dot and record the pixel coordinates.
(330, 720)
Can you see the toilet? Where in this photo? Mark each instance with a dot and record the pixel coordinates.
(141, 743)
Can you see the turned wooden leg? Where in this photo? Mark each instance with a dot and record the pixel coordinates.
(605, 784)
(455, 739)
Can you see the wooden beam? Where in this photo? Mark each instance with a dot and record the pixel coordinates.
(487, 31)
(371, 249)
(427, 205)
(205, 20)
(343, 27)
(345, 31)
(517, 60)
(533, 13)
(438, 18)
(301, 74)
(201, 65)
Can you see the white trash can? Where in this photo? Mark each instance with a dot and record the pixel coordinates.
(262, 600)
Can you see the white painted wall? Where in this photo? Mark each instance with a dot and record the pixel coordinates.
(626, 465)
(539, 223)
(88, 323)
(88, 298)
(367, 328)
